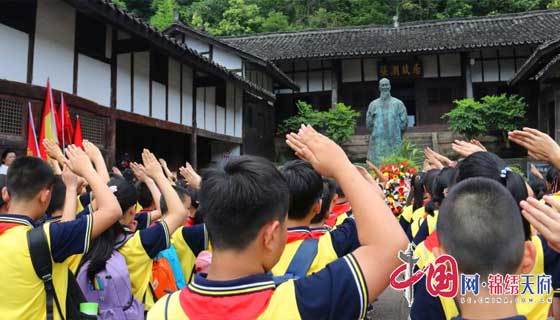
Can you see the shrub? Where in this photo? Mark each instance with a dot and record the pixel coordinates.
(338, 123)
(408, 153)
(467, 118)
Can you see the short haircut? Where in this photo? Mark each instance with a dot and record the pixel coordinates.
(58, 195)
(305, 185)
(329, 190)
(488, 165)
(238, 197)
(5, 154)
(181, 192)
(338, 190)
(27, 177)
(479, 224)
(145, 198)
(124, 191)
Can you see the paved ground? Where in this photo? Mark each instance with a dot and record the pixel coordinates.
(391, 305)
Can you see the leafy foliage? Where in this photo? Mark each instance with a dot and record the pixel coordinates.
(233, 17)
(500, 113)
(408, 153)
(338, 123)
(467, 118)
(164, 13)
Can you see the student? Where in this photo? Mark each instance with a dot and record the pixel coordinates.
(140, 249)
(149, 198)
(22, 293)
(341, 210)
(306, 188)
(8, 156)
(62, 206)
(328, 201)
(245, 202)
(492, 248)
(422, 197)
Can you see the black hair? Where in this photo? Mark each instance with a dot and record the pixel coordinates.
(3, 181)
(422, 183)
(482, 243)
(306, 187)
(538, 186)
(124, 191)
(193, 194)
(181, 192)
(339, 190)
(58, 195)
(145, 198)
(329, 190)
(5, 154)
(238, 197)
(442, 181)
(489, 165)
(27, 177)
(101, 249)
(553, 178)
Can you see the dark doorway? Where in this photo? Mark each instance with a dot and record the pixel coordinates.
(551, 112)
(173, 146)
(405, 91)
(258, 127)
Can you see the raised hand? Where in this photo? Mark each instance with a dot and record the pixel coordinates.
(539, 145)
(479, 144)
(71, 180)
(430, 156)
(139, 171)
(78, 161)
(193, 179)
(546, 219)
(53, 151)
(324, 154)
(151, 165)
(116, 171)
(92, 150)
(465, 148)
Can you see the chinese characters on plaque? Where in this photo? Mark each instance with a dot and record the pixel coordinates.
(399, 69)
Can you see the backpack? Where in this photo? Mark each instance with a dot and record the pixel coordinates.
(111, 289)
(167, 275)
(301, 262)
(41, 260)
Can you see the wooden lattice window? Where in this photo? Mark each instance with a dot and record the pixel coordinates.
(93, 128)
(11, 117)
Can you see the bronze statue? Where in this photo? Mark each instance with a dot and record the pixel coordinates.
(387, 120)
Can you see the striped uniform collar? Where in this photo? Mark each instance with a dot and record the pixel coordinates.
(254, 283)
(17, 218)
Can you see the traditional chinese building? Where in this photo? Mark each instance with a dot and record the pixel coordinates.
(132, 86)
(429, 63)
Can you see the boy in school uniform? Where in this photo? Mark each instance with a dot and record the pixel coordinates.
(481, 244)
(341, 210)
(245, 204)
(29, 182)
(306, 190)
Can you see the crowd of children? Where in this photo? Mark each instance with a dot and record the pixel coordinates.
(312, 239)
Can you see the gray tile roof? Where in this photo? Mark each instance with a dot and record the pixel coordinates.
(545, 56)
(533, 27)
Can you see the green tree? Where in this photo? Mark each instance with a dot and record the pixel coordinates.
(467, 118)
(238, 18)
(164, 13)
(120, 3)
(275, 21)
(554, 4)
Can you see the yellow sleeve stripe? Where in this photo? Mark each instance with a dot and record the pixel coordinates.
(166, 230)
(360, 283)
(89, 227)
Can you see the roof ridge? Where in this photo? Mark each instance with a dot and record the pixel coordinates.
(403, 25)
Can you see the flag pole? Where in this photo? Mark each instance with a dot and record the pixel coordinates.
(33, 128)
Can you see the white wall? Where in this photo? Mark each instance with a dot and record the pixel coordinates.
(315, 81)
(124, 82)
(54, 45)
(238, 111)
(158, 100)
(187, 93)
(230, 109)
(351, 70)
(429, 64)
(220, 120)
(210, 106)
(200, 109)
(226, 59)
(13, 56)
(94, 80)
(450, 65)
(370, 69)
(174, 92)
(142, 83)
(300, 78)
(197, 45)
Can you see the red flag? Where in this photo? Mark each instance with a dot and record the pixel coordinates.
(78, 133)
(48, 123)
(66, 133)
(32, 146)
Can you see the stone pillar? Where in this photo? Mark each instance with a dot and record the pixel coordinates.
(468, 78)
(335, 79)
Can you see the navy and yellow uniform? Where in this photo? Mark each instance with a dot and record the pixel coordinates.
(22, 295)
(143, 219)
(341, 211)
(508, 318)
(332, 245)
(336, 292)
(405, 219)
(138, 252)
(188, 243)
(547, 262)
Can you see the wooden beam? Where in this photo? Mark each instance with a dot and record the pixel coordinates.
(217, 136)
(151, 122)
(131, 45)
(31, 48)
(194, 149)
